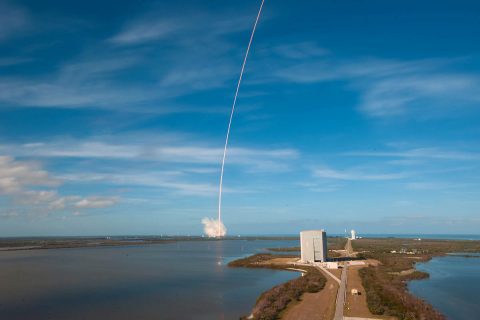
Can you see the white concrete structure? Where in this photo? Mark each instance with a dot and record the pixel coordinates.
(354, 235)
(313, 246)
(331, 265)
(356, 263)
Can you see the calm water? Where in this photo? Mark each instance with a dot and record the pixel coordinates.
(184, 280)
(452, 287)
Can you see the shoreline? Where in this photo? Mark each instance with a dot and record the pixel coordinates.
(276, 301)
(46, 243)
(386, 283)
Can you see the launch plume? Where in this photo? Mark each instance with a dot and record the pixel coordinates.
(213, 228)
(221, 230)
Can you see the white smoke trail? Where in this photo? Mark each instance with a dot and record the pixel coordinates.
(221, 231)
(213, 228)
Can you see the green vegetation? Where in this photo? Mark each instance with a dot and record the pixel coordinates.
(286, 249)
(334, 243)
(73, 242)
(261, 260)
(385, 284)
(272, 302)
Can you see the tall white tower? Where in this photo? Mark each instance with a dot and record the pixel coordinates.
(354, 234)
(313, 245)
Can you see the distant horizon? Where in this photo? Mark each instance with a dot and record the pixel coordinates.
(364, 235)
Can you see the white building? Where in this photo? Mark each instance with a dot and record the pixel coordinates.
(331, 265)
(313, 246)
(354, 234)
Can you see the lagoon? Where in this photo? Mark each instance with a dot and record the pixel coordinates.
(180, 280)
(452, 287)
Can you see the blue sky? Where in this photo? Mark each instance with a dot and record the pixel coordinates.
(352, 114)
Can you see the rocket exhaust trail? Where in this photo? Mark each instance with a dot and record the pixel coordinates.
(220, 231)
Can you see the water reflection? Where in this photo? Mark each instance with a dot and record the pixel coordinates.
(185, 280)
(452, 286)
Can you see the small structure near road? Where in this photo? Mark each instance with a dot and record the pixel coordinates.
(330, 265)
(355, 292)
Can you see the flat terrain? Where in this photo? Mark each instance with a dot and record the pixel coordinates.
(314, 306)
(12, 244)
(385, 285)
(378, 269)
(356, 305)
(37, 243)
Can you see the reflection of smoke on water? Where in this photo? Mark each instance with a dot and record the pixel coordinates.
(213, 227)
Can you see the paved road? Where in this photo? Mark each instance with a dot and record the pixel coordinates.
(341, 294)
(349, 248)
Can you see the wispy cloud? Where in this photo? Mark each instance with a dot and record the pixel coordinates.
(389, 88)
(77, 84)
(96, 202)
(419, 92)
(165, 181)
(355, 174)
(154, 27)
(420, 153)
(150, 150)
(96, 78)
(145, 31)
(318, 187)
(188, 167)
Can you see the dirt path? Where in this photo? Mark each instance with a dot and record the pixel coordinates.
(314, 306)
(356, 305)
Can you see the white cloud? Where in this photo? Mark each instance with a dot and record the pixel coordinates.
(76, 84)
(355, 175)
(151, 27)
(16, 175)
(167, 151)
(397, 95)
(145, 31)
(20, 181)
(95, 80)
(171, 181)
(96, 202)
(36, 197)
